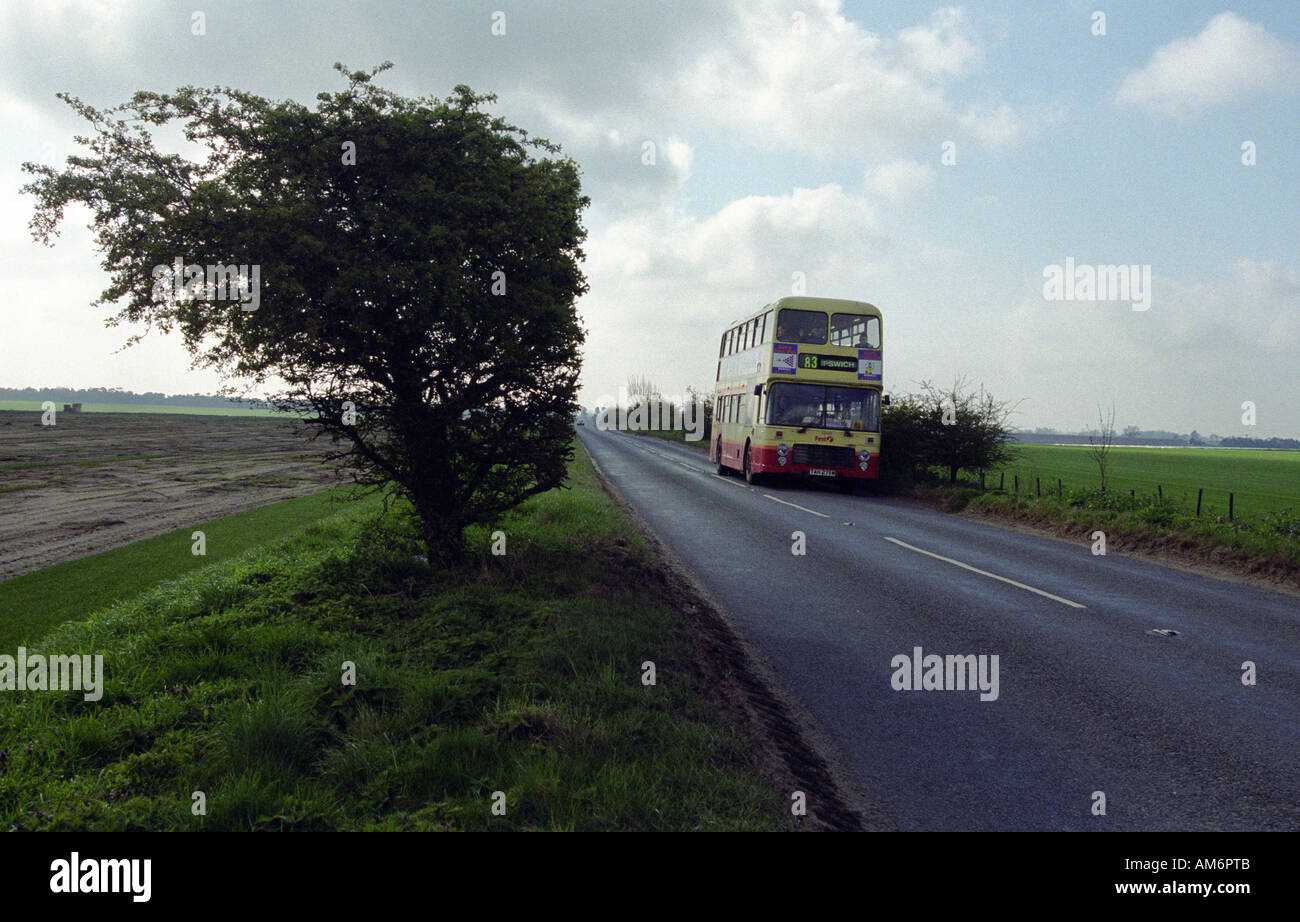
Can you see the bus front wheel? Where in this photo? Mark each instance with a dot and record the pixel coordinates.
(750, 476)
(722, 468)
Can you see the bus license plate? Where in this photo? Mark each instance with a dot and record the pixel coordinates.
(820, 472)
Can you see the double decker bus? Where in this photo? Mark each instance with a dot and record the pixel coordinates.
(799, 391)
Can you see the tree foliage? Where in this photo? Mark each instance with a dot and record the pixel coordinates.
(417, 259)
(954, 428)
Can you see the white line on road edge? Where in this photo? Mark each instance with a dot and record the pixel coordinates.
(725, 479)
(797, 506)
(966, 566)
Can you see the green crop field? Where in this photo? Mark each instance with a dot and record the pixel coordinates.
(139, 408)
(1260, 480)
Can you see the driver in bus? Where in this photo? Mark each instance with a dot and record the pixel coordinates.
(780, 410)
(792, 411)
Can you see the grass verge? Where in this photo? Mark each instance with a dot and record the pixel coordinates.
(33, 603)
(1267, 547)
(521, 674)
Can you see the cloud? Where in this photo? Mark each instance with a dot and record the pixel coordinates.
(779, 75)
(805, 78)
(753, 242)
(899, 179)
(1230, 60)
(792, 76)
(942, 47)
(661, 278)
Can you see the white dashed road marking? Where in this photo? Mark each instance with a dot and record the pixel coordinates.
(966, 566)
(796, 505)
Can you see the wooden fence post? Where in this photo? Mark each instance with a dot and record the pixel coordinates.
(1038, 486)
(1199, 491)
(1060, 493)
(1229, 507)
(1015, 480)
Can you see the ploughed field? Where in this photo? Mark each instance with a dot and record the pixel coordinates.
(98, 480)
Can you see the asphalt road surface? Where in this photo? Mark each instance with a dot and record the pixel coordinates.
(1088, 699)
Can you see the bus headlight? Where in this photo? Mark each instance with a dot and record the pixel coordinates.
(782, 449)
(864, 455)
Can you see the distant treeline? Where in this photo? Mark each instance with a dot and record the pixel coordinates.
(1075, 438)
(1237, 442)
(117, 395)
(1162, 438)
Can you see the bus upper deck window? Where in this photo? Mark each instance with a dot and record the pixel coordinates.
(860, 331)
(795, 326)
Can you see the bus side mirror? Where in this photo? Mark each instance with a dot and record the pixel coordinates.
(884, 400)
(758, 390)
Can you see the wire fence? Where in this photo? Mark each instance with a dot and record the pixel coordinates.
(1196, 501)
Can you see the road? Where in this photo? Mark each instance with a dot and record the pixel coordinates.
(1088, 699)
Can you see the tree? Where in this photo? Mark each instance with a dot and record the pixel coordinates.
(703, 401)
(906, 437)
(414, 266)
(967, 428)
(640, 389)
(1100, 442)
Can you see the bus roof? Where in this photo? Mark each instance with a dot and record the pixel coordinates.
(829, 305)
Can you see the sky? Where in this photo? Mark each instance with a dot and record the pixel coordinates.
(936, 161)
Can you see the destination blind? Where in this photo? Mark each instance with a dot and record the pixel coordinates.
(815, 361)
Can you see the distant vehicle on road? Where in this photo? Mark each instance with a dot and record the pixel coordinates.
(799, 390)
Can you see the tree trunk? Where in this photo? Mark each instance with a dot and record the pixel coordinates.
(441, 529)
(443, 542)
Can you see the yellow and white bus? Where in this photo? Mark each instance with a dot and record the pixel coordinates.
(799, 391)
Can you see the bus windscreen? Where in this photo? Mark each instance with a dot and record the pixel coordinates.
(818, 406)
